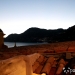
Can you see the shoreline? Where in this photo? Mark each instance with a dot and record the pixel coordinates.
(57, 48)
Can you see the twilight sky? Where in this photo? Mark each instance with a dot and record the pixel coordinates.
(16, 16)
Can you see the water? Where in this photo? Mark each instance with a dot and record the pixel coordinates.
(11, 44)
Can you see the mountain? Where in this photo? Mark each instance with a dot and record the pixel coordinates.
(42, 35)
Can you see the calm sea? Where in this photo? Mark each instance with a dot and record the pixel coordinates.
(11, 44)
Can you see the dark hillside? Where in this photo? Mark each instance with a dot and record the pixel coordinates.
(42, 35)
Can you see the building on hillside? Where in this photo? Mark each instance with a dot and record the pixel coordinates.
(2, 46)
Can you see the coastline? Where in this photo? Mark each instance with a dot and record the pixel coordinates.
(56, 48)
(11, 44)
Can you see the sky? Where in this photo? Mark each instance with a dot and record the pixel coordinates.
(16, 16)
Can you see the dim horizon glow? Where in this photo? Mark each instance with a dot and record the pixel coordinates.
(16, 16)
